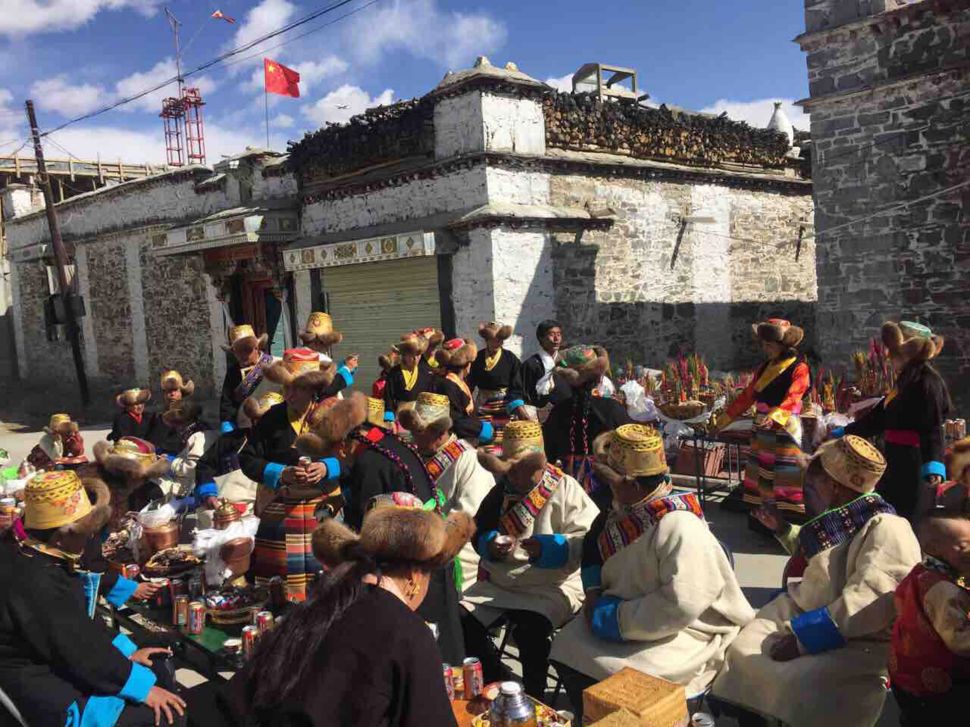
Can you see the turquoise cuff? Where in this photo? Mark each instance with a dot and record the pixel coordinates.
(555, 551)
(513, 405)
(389, 417)
(90, 583)
(272, 473)
(592, 576)
(206, 489)
(333, 467)
(838, 432)
(483, 543)
(121, 592)
(933, 468)
(125, 645)
(346, 375)
(605, 621)
(816, 631)
(139, 684)
(227, 427)
(98, 712)
(487, 434)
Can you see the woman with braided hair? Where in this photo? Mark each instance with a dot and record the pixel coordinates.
(375, 462)
(576, 421)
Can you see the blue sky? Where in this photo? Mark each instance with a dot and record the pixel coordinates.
(74, 56)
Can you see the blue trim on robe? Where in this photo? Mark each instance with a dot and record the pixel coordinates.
(346, 375)
(592, 576)
(121, 592)
(483, 543)
(605, 621)
(140, 682)
(272, 474)
(816, 631)
(206, 489)
(333, 467)
(487, 433)
(227, 428)
(125, 645)
(90, 583)
(513, 405)
(555, 551)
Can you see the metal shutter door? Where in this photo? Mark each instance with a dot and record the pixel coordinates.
(372, 304)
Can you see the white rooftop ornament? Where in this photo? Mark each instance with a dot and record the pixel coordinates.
(510, 66)
(779, 122)
(482, 62)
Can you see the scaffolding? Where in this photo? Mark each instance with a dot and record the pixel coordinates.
(182, 114)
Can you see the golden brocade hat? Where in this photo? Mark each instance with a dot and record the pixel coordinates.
(636, 450)
(61, 424)
(319, 329)
(522, 438)
(54, 499)
(172, 379)
(244, 332)
(375, 411)
(852, 462)
(429, 411)
(257, 406)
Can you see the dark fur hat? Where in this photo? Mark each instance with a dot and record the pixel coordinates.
(412, 343)
(279, 373)
(330, 423)
(913, 347)
(589, 371)
(529, 462)
(493, 330)
(777, 330)
(456, 353)
(184, 412)
(130, 397)
(430, 412)
(389, 360)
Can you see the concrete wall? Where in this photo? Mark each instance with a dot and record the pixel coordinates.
(904, 139)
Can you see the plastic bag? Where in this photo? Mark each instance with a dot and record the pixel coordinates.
(157, 518)
(639, 406)
(207, 544)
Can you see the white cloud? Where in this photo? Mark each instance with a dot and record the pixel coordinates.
(283, 121)
(422, 28)
(13, 126)
(562, 83)
(267, 16)
(21, 17)
(161, 71)
(57, 95)
(311, 73)
(353, 99)
(757, 113)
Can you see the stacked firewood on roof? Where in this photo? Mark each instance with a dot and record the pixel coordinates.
(379, 135)
(581, 122)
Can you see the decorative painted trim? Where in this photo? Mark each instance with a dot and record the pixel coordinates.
(393, 247)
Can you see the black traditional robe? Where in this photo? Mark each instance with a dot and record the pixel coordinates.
(375, 473)
(464, 425)
(52, 654)
(524, 389)
(396, 393)
(125, 425)
(269, 448)
(502, 376)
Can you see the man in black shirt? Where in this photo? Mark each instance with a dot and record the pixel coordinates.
(535, 387)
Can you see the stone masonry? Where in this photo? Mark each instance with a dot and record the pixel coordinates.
(890, 100)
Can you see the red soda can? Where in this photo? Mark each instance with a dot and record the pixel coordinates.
(196, 617)
(449, 684)
(130, 571)
(264, 621)
(249, 635)
(180, 610)
(474, 678)
(177, 587)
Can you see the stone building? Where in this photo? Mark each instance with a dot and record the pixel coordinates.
(890, 102)
(490, 198)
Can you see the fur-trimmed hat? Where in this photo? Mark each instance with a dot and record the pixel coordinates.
(132, 458)
(61, 424)
(330, 423)
(456, 353)
(301, 366)
(433, 336)
(130, 397)
(958, 460)
(182, 414)
(853, 462)
(522, 448)
(172, 379)
(256, 406)
(579, 365)
(77, 508)
(319, 330)
(244, 332)
(778, 330)
(413, 343)
(494, 331)
(395, 534)
(628, 452)
(389, 360)
(430, 411)
(911, 341)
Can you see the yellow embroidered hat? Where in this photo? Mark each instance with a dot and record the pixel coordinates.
(852, 462)
(375, 412)
(54, 499)
(429, 411)
(522, 438)
(257, 406)
(636, 450)
(319, 329)
(244, 332)
(172, 379)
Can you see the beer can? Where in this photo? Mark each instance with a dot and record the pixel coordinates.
(264, 621)
(196, 617)
(249, 635)
(471, 669)
(130, 571)
(180, 610)
(177, 587)
(305, 461)
(449, 684)
(162, 596)
(458, 681)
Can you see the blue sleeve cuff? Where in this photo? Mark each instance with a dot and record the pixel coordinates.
(227, 427)
(816, 631)
(121, 592)
(346, 375)
(140, 682)
(272, 473)
(389, 417)
(606, 619)
(487, 434)
(555, 551)
(484, 541)
(125, 645)
(838, 432)
(333, 467)
(513, 405)
(170, 457)
(206, 489)
(592, 576)
(933, 468)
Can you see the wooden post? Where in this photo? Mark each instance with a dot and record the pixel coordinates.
(73, 333)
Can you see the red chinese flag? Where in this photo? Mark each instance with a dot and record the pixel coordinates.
(280, 79)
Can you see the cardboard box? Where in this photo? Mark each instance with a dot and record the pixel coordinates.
(654, 702)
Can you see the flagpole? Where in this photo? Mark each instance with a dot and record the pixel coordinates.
(266, 101)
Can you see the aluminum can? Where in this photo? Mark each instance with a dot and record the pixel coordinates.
(701, 719)
(249, 636)
(264, 621)
(196, 617)
(162, 597)
(471, 670)
(305, 461)
(195, 586)
(180, 610)
(130, 571)
(176, 587)
(449, 684)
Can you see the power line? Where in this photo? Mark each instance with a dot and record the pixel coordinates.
(204, 66)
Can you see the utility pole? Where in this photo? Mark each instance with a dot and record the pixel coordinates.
(73, 332)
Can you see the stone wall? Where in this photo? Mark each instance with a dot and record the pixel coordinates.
(903, 139)
(42, 358)
(650, 286)
(109, 308)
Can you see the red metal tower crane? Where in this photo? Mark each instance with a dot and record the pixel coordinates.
(182, 115)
